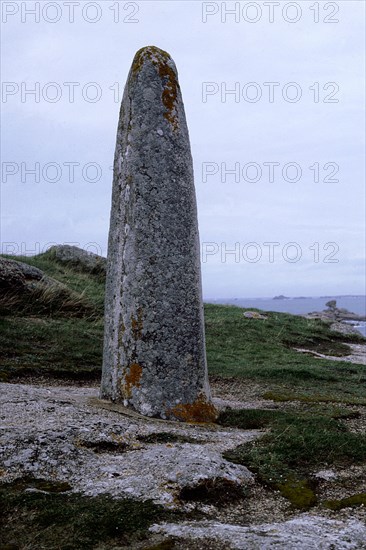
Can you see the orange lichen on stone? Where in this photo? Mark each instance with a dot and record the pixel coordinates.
(199, 411)
(161, 60)
(132, 379)
(148, 52)
(169, 94)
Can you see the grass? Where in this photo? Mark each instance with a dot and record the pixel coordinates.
(263, 351)
(335, 394)
(352, 501)
(296, 443)
(70, 521)
(53, 347)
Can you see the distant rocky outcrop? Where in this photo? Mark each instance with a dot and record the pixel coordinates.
(78, 258)
(335, 314)
(280, 297)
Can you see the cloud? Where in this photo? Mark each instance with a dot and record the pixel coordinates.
(323, 59)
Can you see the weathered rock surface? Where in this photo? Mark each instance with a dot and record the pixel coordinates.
(302, 533)
(64, 433)
(154, 347)
(16, 275)
(345, 328)
(335, 315)
(79, 258)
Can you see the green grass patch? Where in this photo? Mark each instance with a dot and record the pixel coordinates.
(348, 502)
(256, 419)
(60, 348)
(296, 443)
(300, 492)
(249, 419)
(310, 395)
(69, 521)
(230, 335)
(263, 351)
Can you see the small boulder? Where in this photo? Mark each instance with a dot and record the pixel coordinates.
(16, 275)
(78, 258)
(11, 275)
(254, 315)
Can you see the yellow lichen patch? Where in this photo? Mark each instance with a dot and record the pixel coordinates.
(199, 411)
(148, 52)
(132, 379)
(162, 61)
(170, 90)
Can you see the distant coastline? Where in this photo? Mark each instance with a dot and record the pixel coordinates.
(303, 305)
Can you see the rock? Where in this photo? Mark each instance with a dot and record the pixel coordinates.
(302, 533)
(154, 347)
(254, 315)
(344, 328)
(78, 258)
(335, 315)
(31, 273)
(15, 275)
(11, 276)
(43, 432)
(326, 475)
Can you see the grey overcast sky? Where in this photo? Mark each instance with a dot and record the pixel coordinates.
(274, 98)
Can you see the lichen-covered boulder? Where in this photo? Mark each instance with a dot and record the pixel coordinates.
(15, 275)
(83, 260)
(11, 276)
(154, 347)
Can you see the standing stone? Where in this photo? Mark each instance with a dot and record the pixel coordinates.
(154, 344)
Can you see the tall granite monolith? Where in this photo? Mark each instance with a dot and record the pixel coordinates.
(154, 345)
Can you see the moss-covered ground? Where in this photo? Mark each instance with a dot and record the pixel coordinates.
(35, 515)
(296, 444)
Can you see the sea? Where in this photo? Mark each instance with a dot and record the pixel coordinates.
(302, 305)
